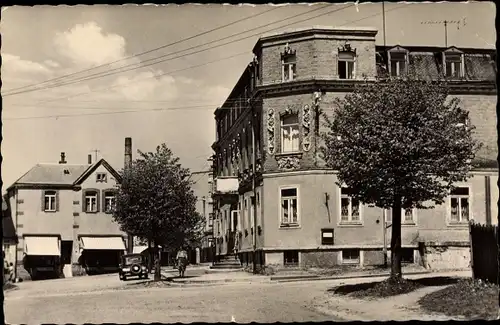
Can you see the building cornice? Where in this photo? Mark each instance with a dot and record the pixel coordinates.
(306, 86)
(46, 186)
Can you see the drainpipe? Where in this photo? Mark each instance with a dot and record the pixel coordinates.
(487, 183)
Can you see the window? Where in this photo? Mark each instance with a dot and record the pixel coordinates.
(407, 216)
(346, 65)
(459, 204)
(289, 207)
(291, 258)
(91, 201)
(288, 64)
(349, 207)
(350, 256)
(101, 177)
(50, 204)
(109, 202)
(210, 220)
(290, 133)
(407, 256)
(453, 65)
(326, 236)
(398, 64)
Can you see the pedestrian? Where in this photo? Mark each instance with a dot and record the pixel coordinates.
(236, 245)
(181, 261)
(11, 272)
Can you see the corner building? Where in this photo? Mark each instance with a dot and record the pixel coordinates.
(302, 216)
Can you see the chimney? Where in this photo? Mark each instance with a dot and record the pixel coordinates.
(90, 159)
(128, 152)
(63, 158)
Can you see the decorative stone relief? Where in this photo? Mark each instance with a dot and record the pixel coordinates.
(306, 124)
(346, 47)
(287, 51)
(270, 131)
(287, 163)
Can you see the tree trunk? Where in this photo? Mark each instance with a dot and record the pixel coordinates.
(150, 256)
(396, 240)
(157, 276)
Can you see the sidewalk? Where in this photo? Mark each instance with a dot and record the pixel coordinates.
(199, 277)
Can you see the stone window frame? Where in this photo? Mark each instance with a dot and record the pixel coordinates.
(86, 193)
(398, 50)
(469, 198)
(349, 220)
(105, 196)
(347, 50)
(288, 54)
(447, 55)
(289, 224)
(53, 194)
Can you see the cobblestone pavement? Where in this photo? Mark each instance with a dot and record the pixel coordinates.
(96, 300)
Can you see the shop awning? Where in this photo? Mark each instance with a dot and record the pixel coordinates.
(42, 246)
(139, 249)
(103, 243)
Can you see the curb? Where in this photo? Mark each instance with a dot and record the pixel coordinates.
(222, 281)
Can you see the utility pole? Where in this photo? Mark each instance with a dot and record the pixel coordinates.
(254, 200)
(384, 229)
(445, 23)
(383, 21)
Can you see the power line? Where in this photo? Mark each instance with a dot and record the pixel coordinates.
(141, 65)
(161, 109)
(113, 71)
(165, 73)
(146, 52)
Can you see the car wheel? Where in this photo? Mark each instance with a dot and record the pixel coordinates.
(124, 278)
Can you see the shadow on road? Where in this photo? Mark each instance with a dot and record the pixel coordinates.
(423, 282)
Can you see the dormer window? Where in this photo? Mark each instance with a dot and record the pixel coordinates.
(453, 64)
(398, 63)
(288, 64)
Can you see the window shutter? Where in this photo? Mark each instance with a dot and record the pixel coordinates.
(84, 203)
(98, 203)
(57, 200)
(43, 201)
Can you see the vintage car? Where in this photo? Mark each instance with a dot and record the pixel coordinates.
(133, 265)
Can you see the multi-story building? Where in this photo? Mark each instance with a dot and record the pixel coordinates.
(9, 239)
(297, 212)
(62, 215)
(202, 187)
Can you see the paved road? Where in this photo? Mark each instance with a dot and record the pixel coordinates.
(101, 299)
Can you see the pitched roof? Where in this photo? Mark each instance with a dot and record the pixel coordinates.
(61, 174)
(53, 174)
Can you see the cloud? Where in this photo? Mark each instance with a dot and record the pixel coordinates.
(52, 64)
(87, 45)
(146, 85)
(14, 64)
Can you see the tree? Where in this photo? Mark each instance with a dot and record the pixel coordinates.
(399, 144)
(155, 202)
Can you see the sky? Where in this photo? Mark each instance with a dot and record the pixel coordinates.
(171, 101)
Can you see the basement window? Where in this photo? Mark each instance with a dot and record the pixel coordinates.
(291, 258)
(351, 256)
(407, 256)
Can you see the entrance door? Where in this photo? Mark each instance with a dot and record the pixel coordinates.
(66, 251)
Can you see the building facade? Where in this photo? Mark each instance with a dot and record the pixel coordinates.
(64, 211)
(202, 187)
(296, 214)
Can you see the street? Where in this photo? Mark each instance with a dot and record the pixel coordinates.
(103, 299)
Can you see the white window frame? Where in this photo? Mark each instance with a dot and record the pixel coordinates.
(103, 177)
(291, 67)
(89, 196)
(398, 68)
(469, 197)
(290, 128)
(349, 220)
(52, 201)
(345, 261)
(461, 64)
(109, 196)
(346, 62)
(289, 224)
(388, 216)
